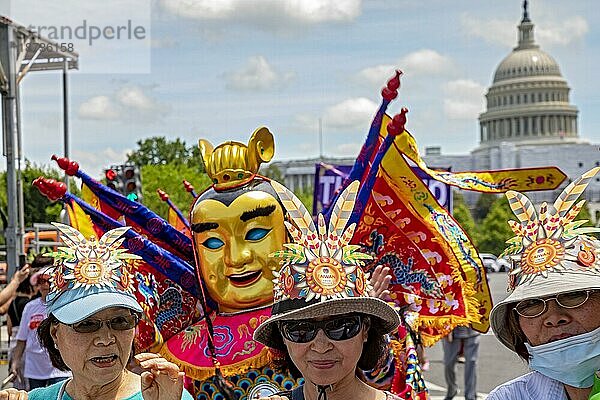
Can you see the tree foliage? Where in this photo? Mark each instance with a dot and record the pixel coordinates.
(37, 208)
(272, 172)
(306, 197)
(169, 177)
(494, 230)
(462, 215)
(483, 205)
(158, 150)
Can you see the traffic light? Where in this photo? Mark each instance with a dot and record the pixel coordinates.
(113, 180)
(132, 183)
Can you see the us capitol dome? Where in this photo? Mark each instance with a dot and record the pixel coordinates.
(529, 98)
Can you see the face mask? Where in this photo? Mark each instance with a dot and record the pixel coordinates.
(572, 361)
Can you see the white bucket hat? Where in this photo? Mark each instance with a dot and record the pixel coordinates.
(321, 274)
(551, 253)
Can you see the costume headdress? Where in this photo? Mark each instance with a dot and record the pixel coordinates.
(550, 253)
(321, 274)
(90, 275)
(232, 164)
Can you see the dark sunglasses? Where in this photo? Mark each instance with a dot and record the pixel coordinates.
(532, 308)
(340, 328)
(120, 323)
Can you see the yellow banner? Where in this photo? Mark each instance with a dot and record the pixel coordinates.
(499, 181)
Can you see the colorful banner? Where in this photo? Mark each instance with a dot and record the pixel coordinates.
(329, 179)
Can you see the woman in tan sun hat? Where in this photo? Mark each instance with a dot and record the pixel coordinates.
(322, 318)
(551, 318)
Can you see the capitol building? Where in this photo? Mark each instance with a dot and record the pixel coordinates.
(528, 122)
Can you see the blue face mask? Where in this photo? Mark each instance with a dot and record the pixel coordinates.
(572, 361)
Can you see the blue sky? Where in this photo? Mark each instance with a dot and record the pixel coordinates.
(217, 69)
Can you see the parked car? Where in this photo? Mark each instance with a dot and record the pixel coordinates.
(504, 264)
(491, 263)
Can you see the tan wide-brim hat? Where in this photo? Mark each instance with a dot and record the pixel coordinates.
(574, 277)
(387, 319)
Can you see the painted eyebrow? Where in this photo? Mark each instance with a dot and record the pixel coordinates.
(204, 226)
(257, 212)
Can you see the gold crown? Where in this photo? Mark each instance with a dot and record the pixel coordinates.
(232, 164)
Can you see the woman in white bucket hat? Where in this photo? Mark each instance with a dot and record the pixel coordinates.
(551, 318)
(323, 319)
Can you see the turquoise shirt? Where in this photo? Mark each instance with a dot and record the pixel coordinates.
(51, 393)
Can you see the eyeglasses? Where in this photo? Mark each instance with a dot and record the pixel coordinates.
(120, 323)
(340, 328)
(532, 308)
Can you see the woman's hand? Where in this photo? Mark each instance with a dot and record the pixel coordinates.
(380, 279)
(21, 274)
(13, 394)
(162, 380)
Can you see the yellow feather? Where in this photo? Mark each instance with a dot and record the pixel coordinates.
(572, 192)
(521, 207)
(297, 212)
(342, 210)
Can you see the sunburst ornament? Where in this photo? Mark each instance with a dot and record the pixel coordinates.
(321, 264)
(92, 263)
(546, 240)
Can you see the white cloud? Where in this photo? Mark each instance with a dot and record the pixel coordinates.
(494, 31)
(376, 75)
(258, 74)
(350, 113)
(98, 107)
(424, 62)
(129, 102)
(565, 32)
(504, 32)
(134, 97)
(346, 149)
(266, 13)
(94, 162)
(464, 99)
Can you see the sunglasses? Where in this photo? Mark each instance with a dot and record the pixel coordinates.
(340, 328)
(532, 308)
(120, 323)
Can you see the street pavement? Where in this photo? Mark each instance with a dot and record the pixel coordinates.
(496, 363)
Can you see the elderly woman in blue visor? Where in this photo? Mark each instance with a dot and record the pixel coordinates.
(92, 314)
(551, 318)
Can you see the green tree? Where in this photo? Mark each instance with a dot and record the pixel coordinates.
(36, 207)
(482, 207)
(306, 197)
(462, 214)
(585, 214)
(494, 230)
(158, 150)
(169, 177)
(272, 172)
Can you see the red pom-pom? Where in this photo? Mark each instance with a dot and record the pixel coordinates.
(388, 94)
(70, 167)
(50, 188)
(393, 130)
(188, 186)
(394, 82)
(162, 194)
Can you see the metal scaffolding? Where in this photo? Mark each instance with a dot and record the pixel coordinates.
(23, 51)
